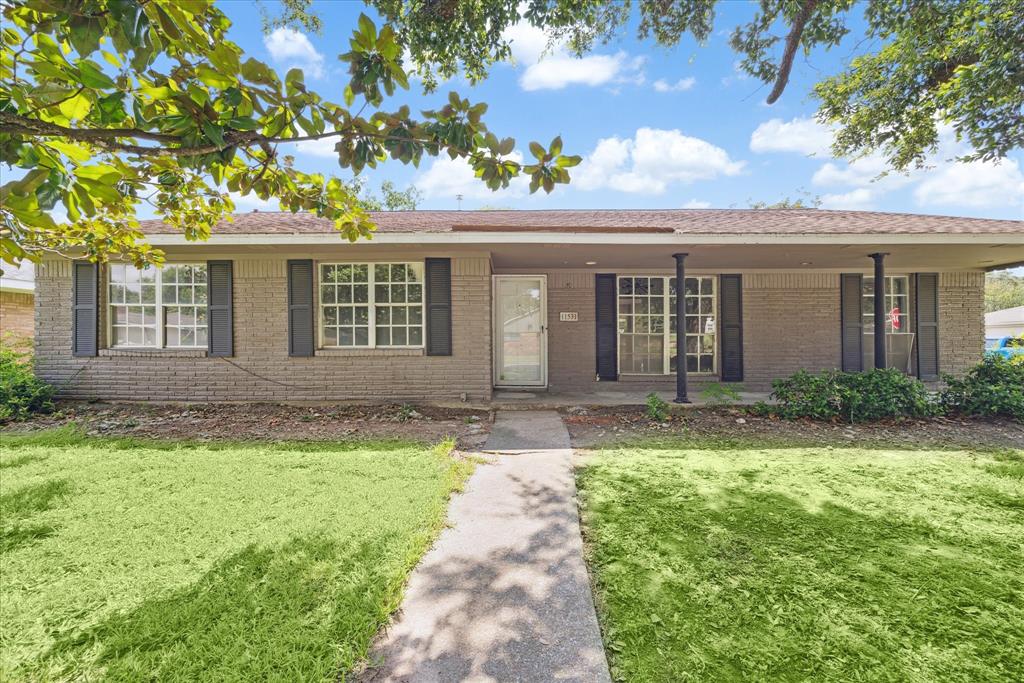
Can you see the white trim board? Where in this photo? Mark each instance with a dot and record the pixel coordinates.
(639, 239)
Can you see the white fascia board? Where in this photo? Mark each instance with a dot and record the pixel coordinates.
(167, 240)
(16, 286)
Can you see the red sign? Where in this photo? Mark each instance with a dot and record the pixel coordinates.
(894, 317)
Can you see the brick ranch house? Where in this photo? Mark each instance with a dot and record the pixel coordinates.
(452, 305)
(16, 305)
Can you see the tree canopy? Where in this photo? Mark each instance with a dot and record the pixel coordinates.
(108, 105)
(1003, 290)
(919, 63)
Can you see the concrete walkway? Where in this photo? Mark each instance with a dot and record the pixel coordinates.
(504, 594)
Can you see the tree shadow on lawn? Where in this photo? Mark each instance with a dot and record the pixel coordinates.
(19, 460)
(826, 441)
(511, 613)
(19, 507)
(740, 584)
(303, 611)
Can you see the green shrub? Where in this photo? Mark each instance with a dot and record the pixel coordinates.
(657, 409)
(853, 396)
(995, 386)
(21, 393)
(721, 394)
(762, 409)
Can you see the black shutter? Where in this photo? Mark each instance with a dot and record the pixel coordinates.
(300, 308)
(84, 308)
(607, 351)
(732, 327)
(926, 321)
(439, 306)
(851, 321)
(219, 311)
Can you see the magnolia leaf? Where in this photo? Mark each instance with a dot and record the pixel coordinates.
(537, 151)
(556, 147)
(368, 29)
(156, 92)
(75, 108)
(102, 172)
(214, 132)
(213, 78)
(72, 150)
(92, 75)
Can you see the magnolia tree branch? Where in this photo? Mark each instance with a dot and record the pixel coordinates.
(792, 43)
(108, 138)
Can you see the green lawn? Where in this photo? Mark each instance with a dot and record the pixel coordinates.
(744, 563)
(133, 561)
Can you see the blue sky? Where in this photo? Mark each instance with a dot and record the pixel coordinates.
(657, 128)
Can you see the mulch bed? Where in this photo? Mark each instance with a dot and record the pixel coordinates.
(594, 426)
(258, 421)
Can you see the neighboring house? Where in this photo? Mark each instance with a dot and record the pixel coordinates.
(1008, 322)
(17, 302)
(449, 305)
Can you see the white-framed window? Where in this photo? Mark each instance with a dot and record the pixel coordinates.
(646, 323)
(371, 305)
(897, 304)
(157, 307)
(899, 340)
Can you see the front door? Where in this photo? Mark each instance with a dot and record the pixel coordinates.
(520, 331)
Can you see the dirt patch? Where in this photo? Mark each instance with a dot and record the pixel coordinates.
(268, 422)
(596, 426)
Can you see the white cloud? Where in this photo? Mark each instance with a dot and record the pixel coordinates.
(861, 183)
(291, 48)
(696, 204)
(251, 202)
(651, 161)
(805, 136)
(737, 75)
(449, 177)
(979, 184)
(661, 85)
(862, 198)
(549, 66)
(323, 148)
(528, 43)
(864, 173)
(559, 70)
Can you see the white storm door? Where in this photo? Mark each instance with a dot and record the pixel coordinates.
(520, 331)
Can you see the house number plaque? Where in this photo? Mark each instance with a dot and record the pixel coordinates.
(568, 316)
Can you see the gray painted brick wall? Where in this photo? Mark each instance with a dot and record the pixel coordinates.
(790, 321)
(261, 369)
(961, 320)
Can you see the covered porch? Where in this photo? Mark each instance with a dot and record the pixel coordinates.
(756, 308)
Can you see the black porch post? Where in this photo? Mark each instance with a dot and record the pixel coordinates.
(680, 329)
(879, 309)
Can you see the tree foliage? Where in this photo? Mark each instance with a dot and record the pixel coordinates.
(804, 200)
(925, 63)
(107, 105)
(1003, 290)
(390, 198)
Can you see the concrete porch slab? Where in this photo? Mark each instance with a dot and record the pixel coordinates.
(544, 400)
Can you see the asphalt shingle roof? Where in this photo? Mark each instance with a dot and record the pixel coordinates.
(680, 221)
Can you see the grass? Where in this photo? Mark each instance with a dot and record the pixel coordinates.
(125, 560)
(738, 562)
